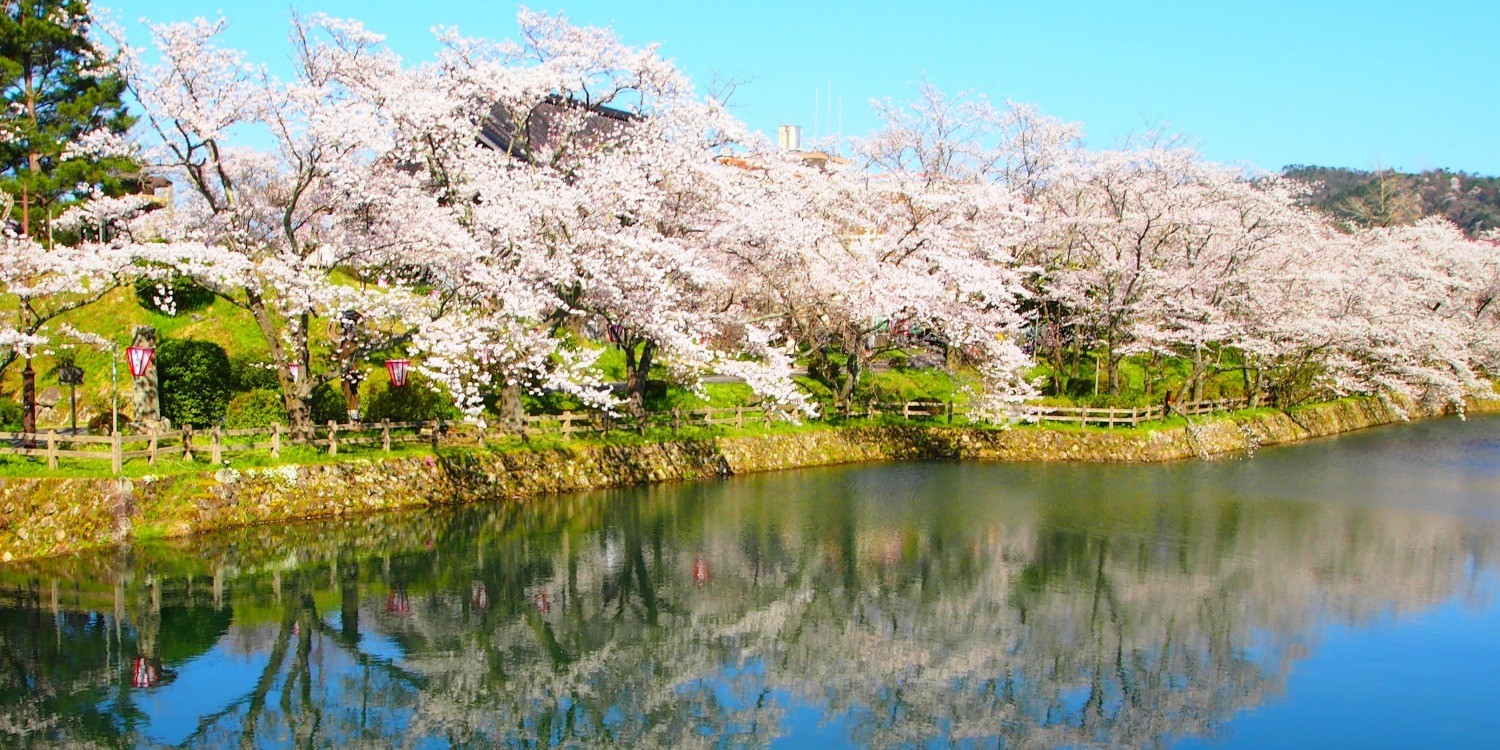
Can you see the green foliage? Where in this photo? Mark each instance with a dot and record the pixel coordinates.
(328, 405)
(247, 374)
(260, 407)
(907, 385)
(1470, 201)
(194, 380)
(10, 415)
(50, 95)
(186, 295)
(420, 399)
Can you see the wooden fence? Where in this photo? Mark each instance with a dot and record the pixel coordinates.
(215, 444)
(1122, 417)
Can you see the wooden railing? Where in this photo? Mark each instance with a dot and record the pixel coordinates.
(1132, 417)
(215, 444)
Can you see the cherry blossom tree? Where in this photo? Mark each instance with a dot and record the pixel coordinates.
(917, 236)
(320, 232)
(580, 174)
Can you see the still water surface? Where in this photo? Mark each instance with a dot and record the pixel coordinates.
(1336, 594)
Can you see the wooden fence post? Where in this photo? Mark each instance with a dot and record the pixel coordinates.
(333, 438)
(187, 442)
(385, 435)
(437, 426)
(739, 416)
(52, 449)
(276, 440)
(151, 449)
(676, 419)
(116, 457)
(567, 424)
(767, 413)
(950, 410)
(216, 447)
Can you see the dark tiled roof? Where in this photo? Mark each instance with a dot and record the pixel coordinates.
(542, 128)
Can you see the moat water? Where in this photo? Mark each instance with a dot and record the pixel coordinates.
(1340, 593)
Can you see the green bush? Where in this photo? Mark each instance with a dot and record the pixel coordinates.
(261, 407)
(249, 374)
(328, 404)
(186, 295)
(10, 415)
(194, 379)
(420, 399)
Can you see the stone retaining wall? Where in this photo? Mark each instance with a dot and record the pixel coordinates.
(40, 517)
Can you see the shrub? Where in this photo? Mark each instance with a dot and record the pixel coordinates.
(250, 374)
(10, 416)
(328, 405)
(185, 295)
(194, 378)
(419, 400)
(261, 407)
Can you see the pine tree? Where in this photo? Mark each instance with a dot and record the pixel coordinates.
(57, 90)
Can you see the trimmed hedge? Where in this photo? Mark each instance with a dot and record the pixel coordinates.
(194, 378)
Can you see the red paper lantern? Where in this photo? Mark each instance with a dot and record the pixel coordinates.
(139, 359)
(397, 368)
(295, 371)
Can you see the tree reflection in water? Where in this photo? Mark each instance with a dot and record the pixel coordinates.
(904, 604)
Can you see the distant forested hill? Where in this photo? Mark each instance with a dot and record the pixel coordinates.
(1388, 197)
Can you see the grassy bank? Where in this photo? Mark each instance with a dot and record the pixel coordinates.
(42, 516)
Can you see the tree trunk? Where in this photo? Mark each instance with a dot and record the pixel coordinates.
(1198, 373)
(298, 414)
(1059, 362)
(637, 370)
(511, 407)
(855, 366)
(350, 386)
(1112, 366)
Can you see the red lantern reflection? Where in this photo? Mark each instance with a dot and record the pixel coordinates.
(481, 597)
(398, 603)
(397, 369)
(700, 571)
(139, 359)
(144, 674)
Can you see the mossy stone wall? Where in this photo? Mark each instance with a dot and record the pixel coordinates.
(40, 517)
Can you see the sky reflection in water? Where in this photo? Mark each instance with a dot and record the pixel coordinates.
(1336, 594)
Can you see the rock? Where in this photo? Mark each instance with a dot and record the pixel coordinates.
(49, 397)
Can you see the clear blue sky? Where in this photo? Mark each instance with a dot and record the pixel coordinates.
(1410, 85)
